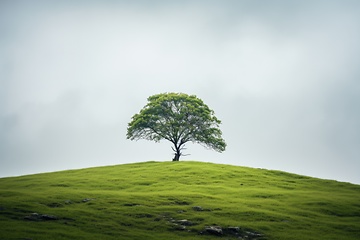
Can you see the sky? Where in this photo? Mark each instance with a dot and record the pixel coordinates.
(282, 76)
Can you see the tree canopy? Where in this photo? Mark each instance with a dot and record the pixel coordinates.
(178, 118)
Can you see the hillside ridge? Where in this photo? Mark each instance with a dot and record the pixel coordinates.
(177, 200)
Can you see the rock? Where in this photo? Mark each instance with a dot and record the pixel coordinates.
(247, 234)
(181, 202)
(198, 208)
(40, 217)
(185, 222)
(237, 232)
(179, 228)
(214, 230)
(32, 217)
(87, 199)
(48, 217)
(68, 202)
(233, 230)
(253, 235)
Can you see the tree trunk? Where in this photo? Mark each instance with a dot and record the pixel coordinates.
(177, 153)
(176, 157)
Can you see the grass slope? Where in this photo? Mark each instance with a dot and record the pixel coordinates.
(147, 200)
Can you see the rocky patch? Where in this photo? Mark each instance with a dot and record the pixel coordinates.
(213, 230)
(198, 208)
(177, 224)
(237, 232)
(183, 222)
(40, 217)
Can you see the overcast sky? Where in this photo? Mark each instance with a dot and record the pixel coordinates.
(283, 76)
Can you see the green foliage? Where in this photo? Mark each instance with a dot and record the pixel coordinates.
(131, 202)
(178, 118)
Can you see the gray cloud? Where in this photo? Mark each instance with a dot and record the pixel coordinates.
(282, 76)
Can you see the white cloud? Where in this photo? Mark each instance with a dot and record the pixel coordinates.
(282, 77)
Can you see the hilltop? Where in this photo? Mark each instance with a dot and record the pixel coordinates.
(177, 200)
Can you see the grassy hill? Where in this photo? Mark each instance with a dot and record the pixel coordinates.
(177, 200)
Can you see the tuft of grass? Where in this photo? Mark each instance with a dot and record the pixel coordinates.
(152, 200)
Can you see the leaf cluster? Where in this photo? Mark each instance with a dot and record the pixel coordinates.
(178, 118)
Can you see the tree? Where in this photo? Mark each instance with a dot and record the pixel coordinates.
(178, 118)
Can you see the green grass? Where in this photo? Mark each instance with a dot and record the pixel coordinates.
(144, 200)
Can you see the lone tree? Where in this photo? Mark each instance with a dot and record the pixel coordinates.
(178, 118)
